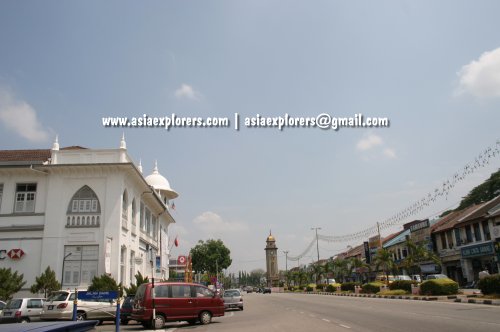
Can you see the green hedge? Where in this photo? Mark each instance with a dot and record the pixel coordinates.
(439, 287)
(309, 289)
(320, 287)
(331, 288)
(490, 284)
(349, 286)
(371, 287)
(402, 284)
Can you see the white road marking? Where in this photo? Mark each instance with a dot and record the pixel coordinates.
(326, 320)
(311, 315)
(347, 327)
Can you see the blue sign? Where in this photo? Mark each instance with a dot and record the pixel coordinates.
(483, 249)
(107, 295)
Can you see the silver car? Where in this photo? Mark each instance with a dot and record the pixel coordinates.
(22, 310)
(233, 299)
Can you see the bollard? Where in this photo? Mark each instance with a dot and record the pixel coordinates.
(415, 289)
(117, 319)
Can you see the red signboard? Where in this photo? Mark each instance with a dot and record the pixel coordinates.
(181, 260)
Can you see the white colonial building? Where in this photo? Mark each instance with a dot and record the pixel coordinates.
(83, 212)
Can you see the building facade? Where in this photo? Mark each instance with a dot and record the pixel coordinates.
(84, 213)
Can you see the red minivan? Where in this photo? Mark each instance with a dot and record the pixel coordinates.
(176, 301)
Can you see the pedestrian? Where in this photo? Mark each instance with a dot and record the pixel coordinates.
(483, 274)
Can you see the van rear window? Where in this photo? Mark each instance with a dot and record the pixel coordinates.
(139, 295)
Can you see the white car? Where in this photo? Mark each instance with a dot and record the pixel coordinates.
(59, 306)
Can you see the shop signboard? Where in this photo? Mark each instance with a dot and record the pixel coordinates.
(483, 249)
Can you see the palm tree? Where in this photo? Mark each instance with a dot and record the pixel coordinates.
(317, 271)
(328, 269)
(418, 253)
(340, 268)
(384, 260)
(355, 264)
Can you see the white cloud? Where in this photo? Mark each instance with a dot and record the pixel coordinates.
(187, 92)
(481, 78)
(369, 142)
(390, 153)
(20, 117)
(211, 223)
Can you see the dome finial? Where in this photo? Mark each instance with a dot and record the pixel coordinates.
(55, 146)
(123, 144)
(140, 166)
(155, 170)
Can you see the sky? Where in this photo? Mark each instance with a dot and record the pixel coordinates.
(431, 67)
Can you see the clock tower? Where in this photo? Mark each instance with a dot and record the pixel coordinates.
(272, 273)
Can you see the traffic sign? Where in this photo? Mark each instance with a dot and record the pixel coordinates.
(105, 295)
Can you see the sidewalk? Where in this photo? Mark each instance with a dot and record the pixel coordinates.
(467, 297)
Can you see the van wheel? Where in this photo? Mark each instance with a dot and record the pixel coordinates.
(205, 317)
(159, 322)
(192, 321)
(81, 315)
(25, 320)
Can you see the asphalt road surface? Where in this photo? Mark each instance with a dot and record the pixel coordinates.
(312, 313)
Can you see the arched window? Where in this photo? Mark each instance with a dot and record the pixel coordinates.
(85, 201)
(134, 212)
(125, 205)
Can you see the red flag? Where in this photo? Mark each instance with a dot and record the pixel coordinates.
(176, 242)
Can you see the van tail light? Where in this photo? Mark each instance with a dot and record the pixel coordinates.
(17, 314)
(62, 306)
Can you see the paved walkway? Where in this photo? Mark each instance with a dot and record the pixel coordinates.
(468, 296)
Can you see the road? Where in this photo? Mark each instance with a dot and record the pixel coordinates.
(299, 312)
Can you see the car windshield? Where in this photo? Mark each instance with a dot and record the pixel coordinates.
(14, 304)
(58, 296)
(230, 293)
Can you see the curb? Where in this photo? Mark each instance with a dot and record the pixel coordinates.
(449, 298)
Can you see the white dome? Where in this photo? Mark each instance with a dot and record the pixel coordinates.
(159, 182)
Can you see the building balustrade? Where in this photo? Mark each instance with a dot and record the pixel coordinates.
(83, 221)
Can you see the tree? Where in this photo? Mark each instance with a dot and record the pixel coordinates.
(139, 280)
(316, 271)
(384, 260)
(104, 283)
(484, 192)
(46, 282)
(210, 256)
(10, 283)
(418, 253)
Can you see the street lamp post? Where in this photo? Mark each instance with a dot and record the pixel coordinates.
(62, 272)
(286, 265)
(317, 245)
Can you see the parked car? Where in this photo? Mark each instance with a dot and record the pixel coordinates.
(59, 306)
(2, 305)
(266, 290)
(126, 309)
(436, 276)
(233, 299)
(416, 277)
(22, 310)
(176, 301)
(402, 277)
(383, 278)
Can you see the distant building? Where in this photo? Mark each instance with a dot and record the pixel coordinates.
(272, 272)
(84, 213)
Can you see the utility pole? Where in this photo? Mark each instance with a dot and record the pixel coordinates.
(317, 245)
(286, 265)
